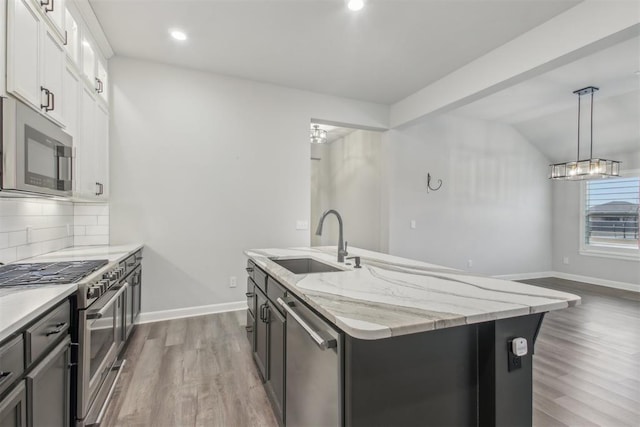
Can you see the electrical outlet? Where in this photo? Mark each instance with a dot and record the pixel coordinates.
(233, 282)
(565, 260)
(470, 263)
(412, 224)
(302, 225)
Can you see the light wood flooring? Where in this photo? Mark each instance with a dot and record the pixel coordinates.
(199, 371)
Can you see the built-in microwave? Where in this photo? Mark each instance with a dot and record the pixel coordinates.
(36, 153)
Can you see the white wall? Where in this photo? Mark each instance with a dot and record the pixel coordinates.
(348, 179)
(50, 223)
(205, 166)
(494, 207)
(566, 234)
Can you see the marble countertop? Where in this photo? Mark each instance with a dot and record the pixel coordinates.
(21, 305)
(392, 296)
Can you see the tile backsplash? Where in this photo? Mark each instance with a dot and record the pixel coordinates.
(30, 227)
(91, 224)
(34, 226)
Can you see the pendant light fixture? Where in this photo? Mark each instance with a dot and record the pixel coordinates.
(586, 168)
(317, 135)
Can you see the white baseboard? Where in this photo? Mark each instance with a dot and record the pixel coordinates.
(525, 276)
(179, 313)
(596, 281)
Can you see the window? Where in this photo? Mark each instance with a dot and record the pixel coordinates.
(610, 217)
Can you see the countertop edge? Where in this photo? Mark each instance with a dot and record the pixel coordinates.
(383, 331)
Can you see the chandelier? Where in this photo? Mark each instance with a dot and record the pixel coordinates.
(586, 168)
(317, 135)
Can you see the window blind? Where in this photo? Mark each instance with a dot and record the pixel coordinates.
(611, 212)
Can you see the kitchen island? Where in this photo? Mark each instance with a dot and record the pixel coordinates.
(417, 343)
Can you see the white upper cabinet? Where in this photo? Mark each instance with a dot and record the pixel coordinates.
(73, 37)
(53, 60)
(70, 100)
(23, 51)
(54, 11)
(102, 81)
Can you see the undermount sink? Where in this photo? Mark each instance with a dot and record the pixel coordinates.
(305, 265)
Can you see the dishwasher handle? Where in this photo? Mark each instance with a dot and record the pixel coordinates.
(317, 338)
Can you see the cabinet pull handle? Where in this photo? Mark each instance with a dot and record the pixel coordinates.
(47, 93)
(267, 314)
(59, 328)
(46, 5)
(249, 328)
(66, 39)
(4, 376)
(53, 102)
(249, 294)
(249, 269)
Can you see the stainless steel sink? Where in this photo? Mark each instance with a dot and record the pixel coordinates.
(305, 265)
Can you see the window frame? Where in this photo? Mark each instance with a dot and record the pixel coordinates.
(604, 251)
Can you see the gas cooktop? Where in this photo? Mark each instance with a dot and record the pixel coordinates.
(47, 273)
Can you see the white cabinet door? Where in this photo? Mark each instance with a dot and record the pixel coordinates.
(70, 100)
(23, 50)
(102, 150)
(53, 64)
(55, 11)
(85, 146)
(88, 61)
(73, 37)
(102, 81)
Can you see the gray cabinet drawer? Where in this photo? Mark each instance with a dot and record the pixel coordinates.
(48, 331)
(274, 291)
(258, 276)
(11, 362)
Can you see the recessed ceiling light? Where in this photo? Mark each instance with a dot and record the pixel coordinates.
(355, 5)
(178, 35)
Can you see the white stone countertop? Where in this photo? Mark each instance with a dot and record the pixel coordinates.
(392, 296)
(20, 305)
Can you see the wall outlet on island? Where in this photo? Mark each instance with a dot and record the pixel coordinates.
(565, 260)
(233, 282)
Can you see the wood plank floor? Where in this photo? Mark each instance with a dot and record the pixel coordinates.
(199, 371)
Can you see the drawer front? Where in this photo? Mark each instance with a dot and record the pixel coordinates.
(260, 277)
(251, 268)
(11, 362)
(50, 329)
(251, 296)
(250, 327)
(274, 291)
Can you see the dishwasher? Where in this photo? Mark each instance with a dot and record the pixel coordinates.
(313, 368)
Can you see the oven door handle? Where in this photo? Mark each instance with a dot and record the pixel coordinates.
(99, 313)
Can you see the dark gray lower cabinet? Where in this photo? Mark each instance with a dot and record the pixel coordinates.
(48, 389)
(275, 383)
(13, 408)
(261, 348)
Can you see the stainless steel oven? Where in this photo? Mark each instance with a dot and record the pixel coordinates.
(100, 338)
(36, 153)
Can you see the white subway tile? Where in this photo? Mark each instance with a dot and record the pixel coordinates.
(90, 240)
(97, 230)
(8, 255)
(79, 230)
(103, 220)
(91, 209)
(86, 220)
(18, 238)
(4, 240)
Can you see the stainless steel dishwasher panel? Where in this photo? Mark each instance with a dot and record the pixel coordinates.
(313, 368)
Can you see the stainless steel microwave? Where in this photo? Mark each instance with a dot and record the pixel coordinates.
(36, 153)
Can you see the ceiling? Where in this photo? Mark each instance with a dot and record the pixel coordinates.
(383, 53)
(334, 133)
(545, 110)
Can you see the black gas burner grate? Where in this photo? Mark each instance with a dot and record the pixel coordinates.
(48, 273)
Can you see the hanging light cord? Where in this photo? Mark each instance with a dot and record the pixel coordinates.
(578, 156)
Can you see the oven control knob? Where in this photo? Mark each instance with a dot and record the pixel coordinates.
(93, 291)
(104, 284)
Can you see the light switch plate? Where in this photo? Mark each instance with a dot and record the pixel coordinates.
(302, 225)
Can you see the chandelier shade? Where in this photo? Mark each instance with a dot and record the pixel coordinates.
(317, 135)
(581, 169)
